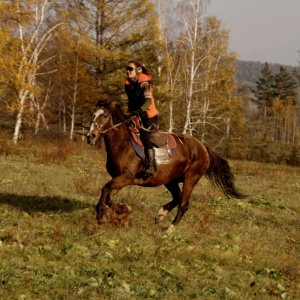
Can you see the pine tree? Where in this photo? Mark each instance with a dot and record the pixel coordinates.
(285, 86)
(277, 96)
(285, 108)
(264, 94)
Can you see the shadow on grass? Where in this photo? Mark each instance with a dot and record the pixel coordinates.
(32, 204)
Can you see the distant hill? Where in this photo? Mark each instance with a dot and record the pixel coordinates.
(250, 71)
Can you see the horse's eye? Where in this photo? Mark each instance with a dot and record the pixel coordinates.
(105, 116)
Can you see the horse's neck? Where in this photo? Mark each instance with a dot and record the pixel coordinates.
(115, 140)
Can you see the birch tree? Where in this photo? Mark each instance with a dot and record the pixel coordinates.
(210, 92)
(169, 67)
(33, 34)
(191, 15)
(40, 108)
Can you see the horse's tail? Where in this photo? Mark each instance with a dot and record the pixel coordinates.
(220, 174)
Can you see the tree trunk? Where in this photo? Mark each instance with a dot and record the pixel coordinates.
(74, 96)
(18, 124)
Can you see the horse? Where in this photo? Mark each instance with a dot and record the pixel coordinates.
(191, 161)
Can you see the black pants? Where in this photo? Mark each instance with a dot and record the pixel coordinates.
(145, 135)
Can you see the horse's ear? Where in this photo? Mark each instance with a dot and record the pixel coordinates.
(101, 102)
(113, 101)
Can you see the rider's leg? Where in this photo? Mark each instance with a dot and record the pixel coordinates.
(149, 151)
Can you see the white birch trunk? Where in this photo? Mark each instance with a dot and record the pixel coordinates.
(191, 42)
(31, 50)
(74, 97)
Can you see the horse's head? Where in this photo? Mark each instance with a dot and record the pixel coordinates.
(102, 119)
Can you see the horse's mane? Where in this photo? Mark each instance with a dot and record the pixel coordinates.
(114, 105)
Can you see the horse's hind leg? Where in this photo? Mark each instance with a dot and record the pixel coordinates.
(188, 186)
(175, 191)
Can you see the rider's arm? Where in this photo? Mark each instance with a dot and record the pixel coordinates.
(145, 86)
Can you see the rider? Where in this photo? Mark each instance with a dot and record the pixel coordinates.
(138, 87)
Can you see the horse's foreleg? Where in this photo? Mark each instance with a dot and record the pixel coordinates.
(109, 189)
(104, 201)
(176, 194)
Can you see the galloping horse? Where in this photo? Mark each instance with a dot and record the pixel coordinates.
(191, 161)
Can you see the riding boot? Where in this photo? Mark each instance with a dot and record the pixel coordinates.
(151, 164)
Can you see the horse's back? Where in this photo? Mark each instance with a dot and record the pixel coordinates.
(190, 144)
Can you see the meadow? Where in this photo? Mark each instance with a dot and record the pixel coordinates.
(51, 246)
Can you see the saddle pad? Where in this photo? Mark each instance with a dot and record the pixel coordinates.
(162, 154)
(138, 148)
(165, 145)
(158, 138)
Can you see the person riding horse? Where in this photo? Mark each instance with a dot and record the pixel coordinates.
(138, 87)
(190, 162)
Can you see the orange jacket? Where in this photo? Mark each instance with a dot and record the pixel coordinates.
(136, 95)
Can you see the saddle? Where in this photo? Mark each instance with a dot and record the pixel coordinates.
(164, 143)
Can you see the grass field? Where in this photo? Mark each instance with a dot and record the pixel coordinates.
(52, 248)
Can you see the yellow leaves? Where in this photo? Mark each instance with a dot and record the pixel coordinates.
(277, 105)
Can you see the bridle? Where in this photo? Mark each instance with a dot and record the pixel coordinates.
(115, 126)
(112, 125)
(102, 124)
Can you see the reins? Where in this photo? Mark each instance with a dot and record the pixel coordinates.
(113, 126)
(152, 128)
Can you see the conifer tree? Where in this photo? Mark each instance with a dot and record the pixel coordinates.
(118, 31)
(285, 107)
(277, 96)
(264, 94)
(285, 86)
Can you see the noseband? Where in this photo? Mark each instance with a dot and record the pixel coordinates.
(100, 126)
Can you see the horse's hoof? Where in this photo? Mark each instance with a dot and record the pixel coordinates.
(161, 214)
(123, 209)
(171, 229)
(159, 218)
(101, 219)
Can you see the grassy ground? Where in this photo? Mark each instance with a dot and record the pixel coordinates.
(52, 248)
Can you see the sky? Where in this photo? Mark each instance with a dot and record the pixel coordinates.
(261, 30)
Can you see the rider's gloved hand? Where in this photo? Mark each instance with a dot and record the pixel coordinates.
(137, 112)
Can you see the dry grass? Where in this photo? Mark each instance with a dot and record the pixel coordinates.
(52, 248)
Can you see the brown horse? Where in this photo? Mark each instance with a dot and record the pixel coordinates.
(191, 161)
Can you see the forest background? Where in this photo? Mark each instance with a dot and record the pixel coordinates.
(59, 57)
